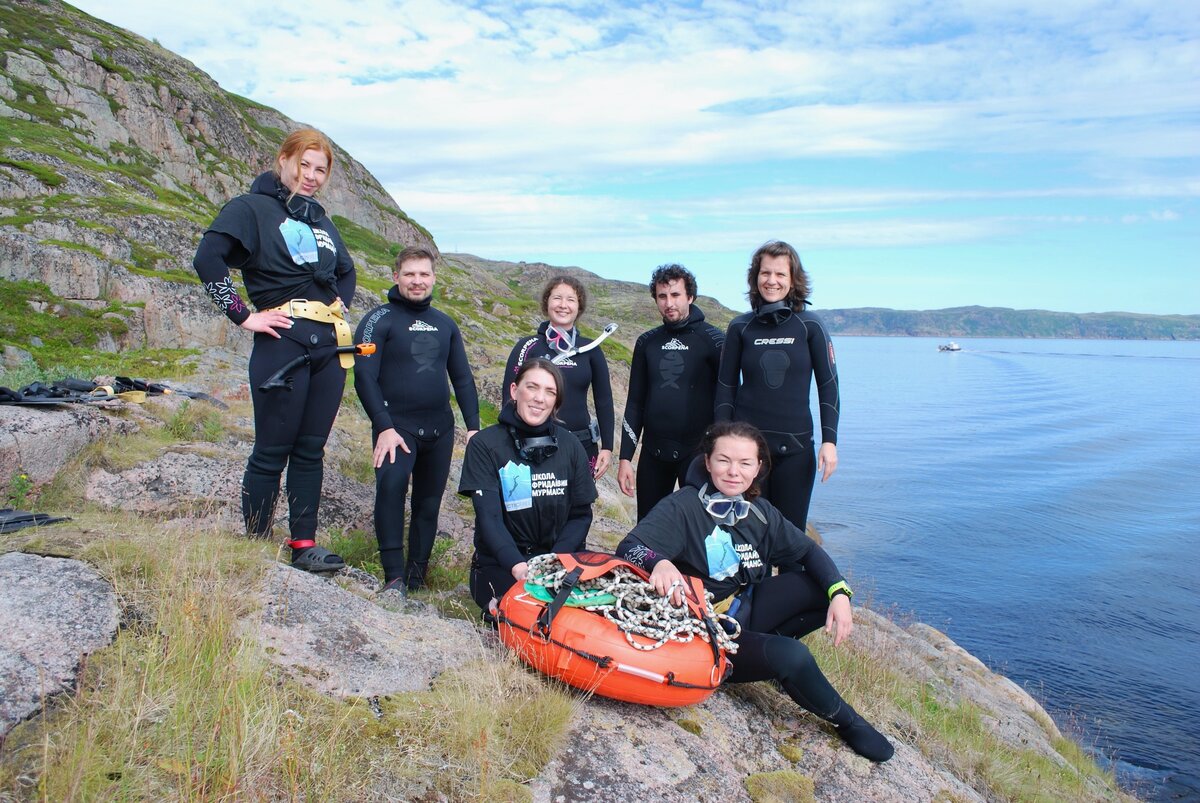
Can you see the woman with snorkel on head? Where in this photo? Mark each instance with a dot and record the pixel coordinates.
(297, 273)
(564, 300)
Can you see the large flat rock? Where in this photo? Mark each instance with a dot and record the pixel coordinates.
(53, 612)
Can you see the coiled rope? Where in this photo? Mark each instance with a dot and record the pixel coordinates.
(633, 605)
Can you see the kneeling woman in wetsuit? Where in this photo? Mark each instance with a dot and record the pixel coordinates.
(718, 528)
(530, 483)
(297, 273)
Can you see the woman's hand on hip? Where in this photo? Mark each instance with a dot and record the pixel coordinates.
(267, 322)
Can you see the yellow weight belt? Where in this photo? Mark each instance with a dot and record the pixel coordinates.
(322, 313)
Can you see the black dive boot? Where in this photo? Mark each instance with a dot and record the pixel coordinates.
(860, 735)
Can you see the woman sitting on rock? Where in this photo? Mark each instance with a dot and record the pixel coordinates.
(530, 484)
(719, 529)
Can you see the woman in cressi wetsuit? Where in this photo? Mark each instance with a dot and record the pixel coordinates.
(530, 483)
(772, 354)
(717, 528)
(564, 301)
(297, 273)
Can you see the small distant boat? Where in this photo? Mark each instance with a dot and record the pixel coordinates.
(951, 346)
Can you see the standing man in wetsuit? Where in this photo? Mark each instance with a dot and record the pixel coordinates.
(672, 382)
(404, 391)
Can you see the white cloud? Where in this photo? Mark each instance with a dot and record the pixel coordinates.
(553, 125)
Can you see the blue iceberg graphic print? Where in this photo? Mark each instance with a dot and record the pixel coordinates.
(516, 486)
(301, 243)
(723, 560)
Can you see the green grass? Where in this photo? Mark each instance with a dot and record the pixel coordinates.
(488, 413)
(378, 250)
(42, 173)
(73, 246)
(953, 732)
(195, 422)
(272, 137)
(186, 706)
(113, 67)
(69, 334)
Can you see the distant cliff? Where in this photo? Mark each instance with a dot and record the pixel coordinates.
(1004, 322)
(115, 155)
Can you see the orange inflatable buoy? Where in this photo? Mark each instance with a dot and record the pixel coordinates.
(588, 651)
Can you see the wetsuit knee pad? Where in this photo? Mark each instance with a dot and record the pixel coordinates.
(791, 659)
(309, 449)
(268, 459)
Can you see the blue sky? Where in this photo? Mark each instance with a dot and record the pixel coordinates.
(919, 155)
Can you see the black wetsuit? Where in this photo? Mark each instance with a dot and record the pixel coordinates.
(767, 369)
(580, 372)
(282, 258)
(774, 611)
(672, 385)
(403, 386)
(523, 508)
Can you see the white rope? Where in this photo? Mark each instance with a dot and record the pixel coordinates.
(639, 609)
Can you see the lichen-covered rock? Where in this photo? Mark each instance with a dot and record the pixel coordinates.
(53, 612)
(43, 439)
(199, 479)
(347, 646)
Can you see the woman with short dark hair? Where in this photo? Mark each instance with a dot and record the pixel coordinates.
(564, 300)
(529, 482)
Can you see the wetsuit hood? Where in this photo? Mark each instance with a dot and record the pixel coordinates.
(416, 306)
(697, 475)
(534, 444)
(544, 325)
(303, 208)
(695, 315)
(268, 184)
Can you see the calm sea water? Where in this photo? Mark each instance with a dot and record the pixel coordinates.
(1038, 501)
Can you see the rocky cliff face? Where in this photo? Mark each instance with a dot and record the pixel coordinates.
(114, 156)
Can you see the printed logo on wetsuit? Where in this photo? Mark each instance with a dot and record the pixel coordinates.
(629, 431)
(368, 334)
(639, 554)
(515, 486)
(674, 345)
(324, 240)
(670, 367)
(774, 341)
(421, 326)
(565, 363)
